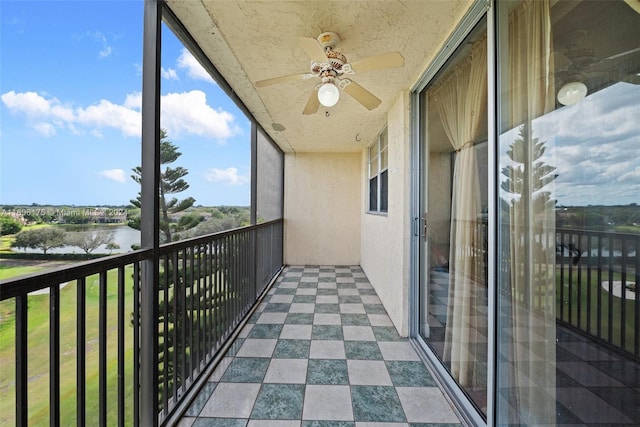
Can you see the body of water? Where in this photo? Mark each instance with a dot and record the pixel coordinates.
(123, 235)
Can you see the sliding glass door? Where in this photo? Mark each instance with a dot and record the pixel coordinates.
(453, 290)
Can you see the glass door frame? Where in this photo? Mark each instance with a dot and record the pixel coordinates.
(418, 189)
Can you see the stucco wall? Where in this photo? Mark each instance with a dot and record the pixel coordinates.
(386, 238)
(322, 208)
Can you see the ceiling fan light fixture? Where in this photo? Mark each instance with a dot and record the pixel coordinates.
(328, 94)
(572, 93)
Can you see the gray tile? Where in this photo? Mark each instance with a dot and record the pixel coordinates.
(273, 423)
(387, 333)
(305, 298)
(276, 308)
(327, 371)
(284, 291)
(265, 331)
(398, 350)
(379, 319)
(233, 348)
(302, 307)
(327, 332)
(281, 298)
(410, 374)
(231, 400)
(292, 349)
(327, 403)
(307, 291)
(327, 308)
(375, 309)
(246, 370)
(299, 318)
(327, 299)
(220, 422)
(326, 291)
(362, 350)
(376, 403)
(355, 319)
(279, 402)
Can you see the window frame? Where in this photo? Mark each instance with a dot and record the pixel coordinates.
(377, 172)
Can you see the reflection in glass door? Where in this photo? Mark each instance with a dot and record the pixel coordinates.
(453, 291)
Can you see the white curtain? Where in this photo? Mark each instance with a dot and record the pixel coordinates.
(461, 99)
(531, 235)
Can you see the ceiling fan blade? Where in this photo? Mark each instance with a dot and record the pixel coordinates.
(312, 104)
(281, 79)
(313, 48)
(386, 60)
(363, 96)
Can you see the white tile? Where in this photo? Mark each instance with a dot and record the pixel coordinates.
(231, 400)
(327, 299)
(309, 279)
(186, 422)
(327, 402)
(277, 318)
(295, 332)
(374, 424)
(327, 285)
(425, 405)
(306, 291)
(352, 308)
(254, 347)
(245, 331)
(326, 349)
(368, 372)
(370, 299)
(220, 369)
(358, 333)
(302, 307)
(364, 285)
(397, 350)
(281, 299)
(327, 319)
(287, 371)
(380, 320)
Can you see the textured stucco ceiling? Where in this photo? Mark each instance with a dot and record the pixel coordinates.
(248, 41)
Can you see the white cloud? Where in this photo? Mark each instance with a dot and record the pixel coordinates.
(106, 48)
(227, 176)
(45, 129)
(106, 114)
(117, 175)
(194, 70)
(169, 73)
(189, 113)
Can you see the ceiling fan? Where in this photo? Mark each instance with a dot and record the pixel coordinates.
(579, 67)
(332, 67)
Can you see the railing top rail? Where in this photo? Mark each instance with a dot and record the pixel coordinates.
(22, 285)
(194, 241)
(600, 233)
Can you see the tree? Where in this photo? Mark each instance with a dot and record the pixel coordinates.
(171, 182)
(41, 238)
(9, 225)
(111, 246)
(89, 241)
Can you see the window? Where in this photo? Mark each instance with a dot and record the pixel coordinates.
(378, 174)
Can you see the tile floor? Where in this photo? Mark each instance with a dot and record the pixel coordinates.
(321, 351)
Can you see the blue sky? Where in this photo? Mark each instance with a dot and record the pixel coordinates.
(70, 83)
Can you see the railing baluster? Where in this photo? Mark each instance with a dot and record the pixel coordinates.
(22, 356)
(136, 343)
(177, 326)
(165, 337)
(121, 342)
(81, 338)
(54, 355)
(623, 293)
(102, 349)
(636, 304)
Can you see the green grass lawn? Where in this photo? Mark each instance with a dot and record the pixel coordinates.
(38, 354)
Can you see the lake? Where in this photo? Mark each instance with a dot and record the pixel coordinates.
(123, 235)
